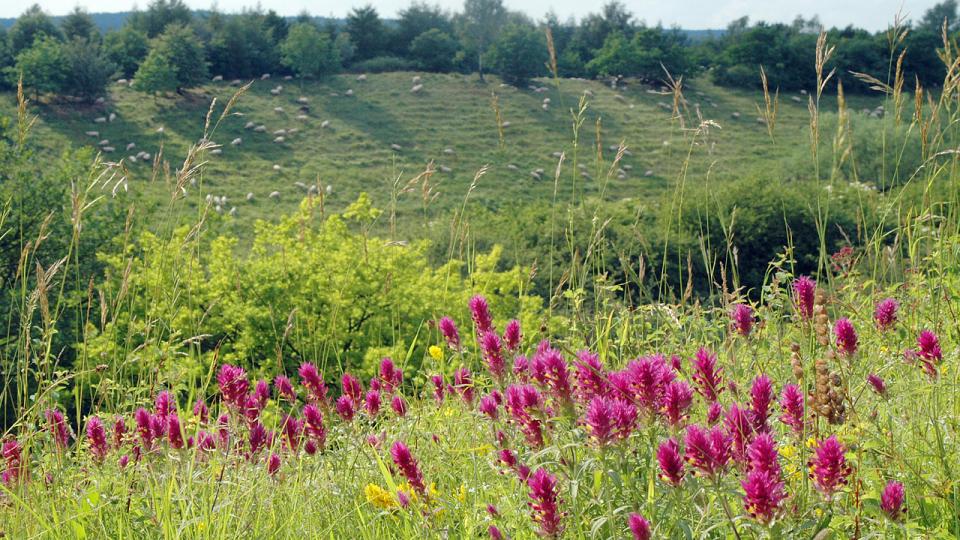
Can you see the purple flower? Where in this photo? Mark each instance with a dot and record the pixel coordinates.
(463, 384)
(480, 312)
(273, 464)
(399, 406)
(877, 384)
(929, 346)
(762, 455)
(438, 388)
(261, 394)
(174, 433)
(677, 398)
(791, 402)
(761, 396)
(639, 526)
(671, 464)
(707, 376)
(372, 403)
(714, 411)
(891, 500)
(313, 426)
(493, 354)
(233, 385)
(390, 377)
(885, 314)
(345, 408)
(545, 502)
(284, 388)
(97, 437)
(59, 428)
(742, 317)
(590, 376)
(846, 336)
(15, 469)
(488, 406)
(311, 379)
(600, 420)
(292, 431)
(164, 405)
(143, 419)
(408, 466)
(804, 290)
(494, 533)
(449, 330)
(258, 438)
(763, 494)
(550, 370)
(351, 387)
(740, 431)
(707, 451)
(201, 411)
(645, 381)
(512, 335)
(119, 431)
(828, 467)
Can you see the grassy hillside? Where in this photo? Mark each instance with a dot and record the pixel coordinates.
(451, 122)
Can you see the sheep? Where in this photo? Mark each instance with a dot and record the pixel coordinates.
(278, 140)
(275, 92)
(349, 92)
(648, 172)
(236, 82)
(249, 196)
(132, 159)
(362, 77)
(735, 115)
(312, 190)
(329, 189)
(540, 171)
(216, 151)
(396, 147)
(275, 195)
(581, 166)
(121, 81)
(291, 131)
(131, 146)
(140, 154)
(103, 142)
(416, 89)
(302, 117)
(250, 125)
(100, 120)
(666, 143)
(218, 78)
(804, 92)
(628, 167)
(512, 167)
(277, 167)
(505, 125)
(218, 209)
(278, 109)
(160, 129)
(619, 98)
(300, 185)
(585, 174)
(260, 129)
(93, 133)
(208, 198)
(100, 101)
(588, 93)
(535, 175)
(193, 181)
(280, 132)
(146, 156)
(416, 79)
(557, 154)
(112, 117)
(796, 99)
(288, 77)
(546, 100)
(445, 169)
(303, 99)
(265, 76)
(233, 211)
(325, 124)
(613, 147)
(621, 176)
(236, 142)
(108, 148)
(448, 151)
(545, 106)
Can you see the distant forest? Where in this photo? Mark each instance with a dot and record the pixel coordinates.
(169, 48)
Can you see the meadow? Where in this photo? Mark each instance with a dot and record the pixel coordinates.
(334, 369)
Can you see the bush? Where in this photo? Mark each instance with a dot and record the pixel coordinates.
(519, 54)
(383, 64)
(434, 50)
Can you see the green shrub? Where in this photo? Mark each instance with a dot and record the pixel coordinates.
(383, 64)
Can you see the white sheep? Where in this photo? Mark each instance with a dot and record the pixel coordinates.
(275, 195)
(260, 129)
(100, 100)
(396, 147)
(236, 142)
(265, 76)
(288, 77)
(277, 167)
(236, 82)
(208, 198)
(93, 133)
(160, 129)
(648, 172)
(280, 132)
(218, 78)
(557, 154)
(291, 131)
(100, 120)
(416, 89)
(216, 151)
(512, 167)
(362, 77)
(300, 185)
(249, 196)
(445, 169)
(233, 211)
(303, 100)
(103, 142)
(132, 159)
(329, 189)
(278, 109)
(121, 81)
(131, 146)
(302, 117)
(505, 125)
(325, 124)
(312, 190)
(112, 117)
(145, 157)
(416, 79)
(545, 106)
(250, 125)
(535, 175)
(448, 151)
(108, 149)
(278, 140)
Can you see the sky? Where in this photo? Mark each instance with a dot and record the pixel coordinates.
(689, 14)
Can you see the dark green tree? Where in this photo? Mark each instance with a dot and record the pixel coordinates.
(179, 47)
(434, 50)
(934, 17)
(29, 26)
(78, 24)
(367, 32)
(126, 48)
(88, 71)
(43, 66)
(480, 24)
(159, 15)
(243, 47)
(156, 74)
(309, 52)
(519, 54)
(418, 18)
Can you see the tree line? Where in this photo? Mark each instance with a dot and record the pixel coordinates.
(167, 47)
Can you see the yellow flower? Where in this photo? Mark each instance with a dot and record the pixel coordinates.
(462, 495)
(788, 451)
(811, 443)
(432, 490)
(436, 352)
(379, 497)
